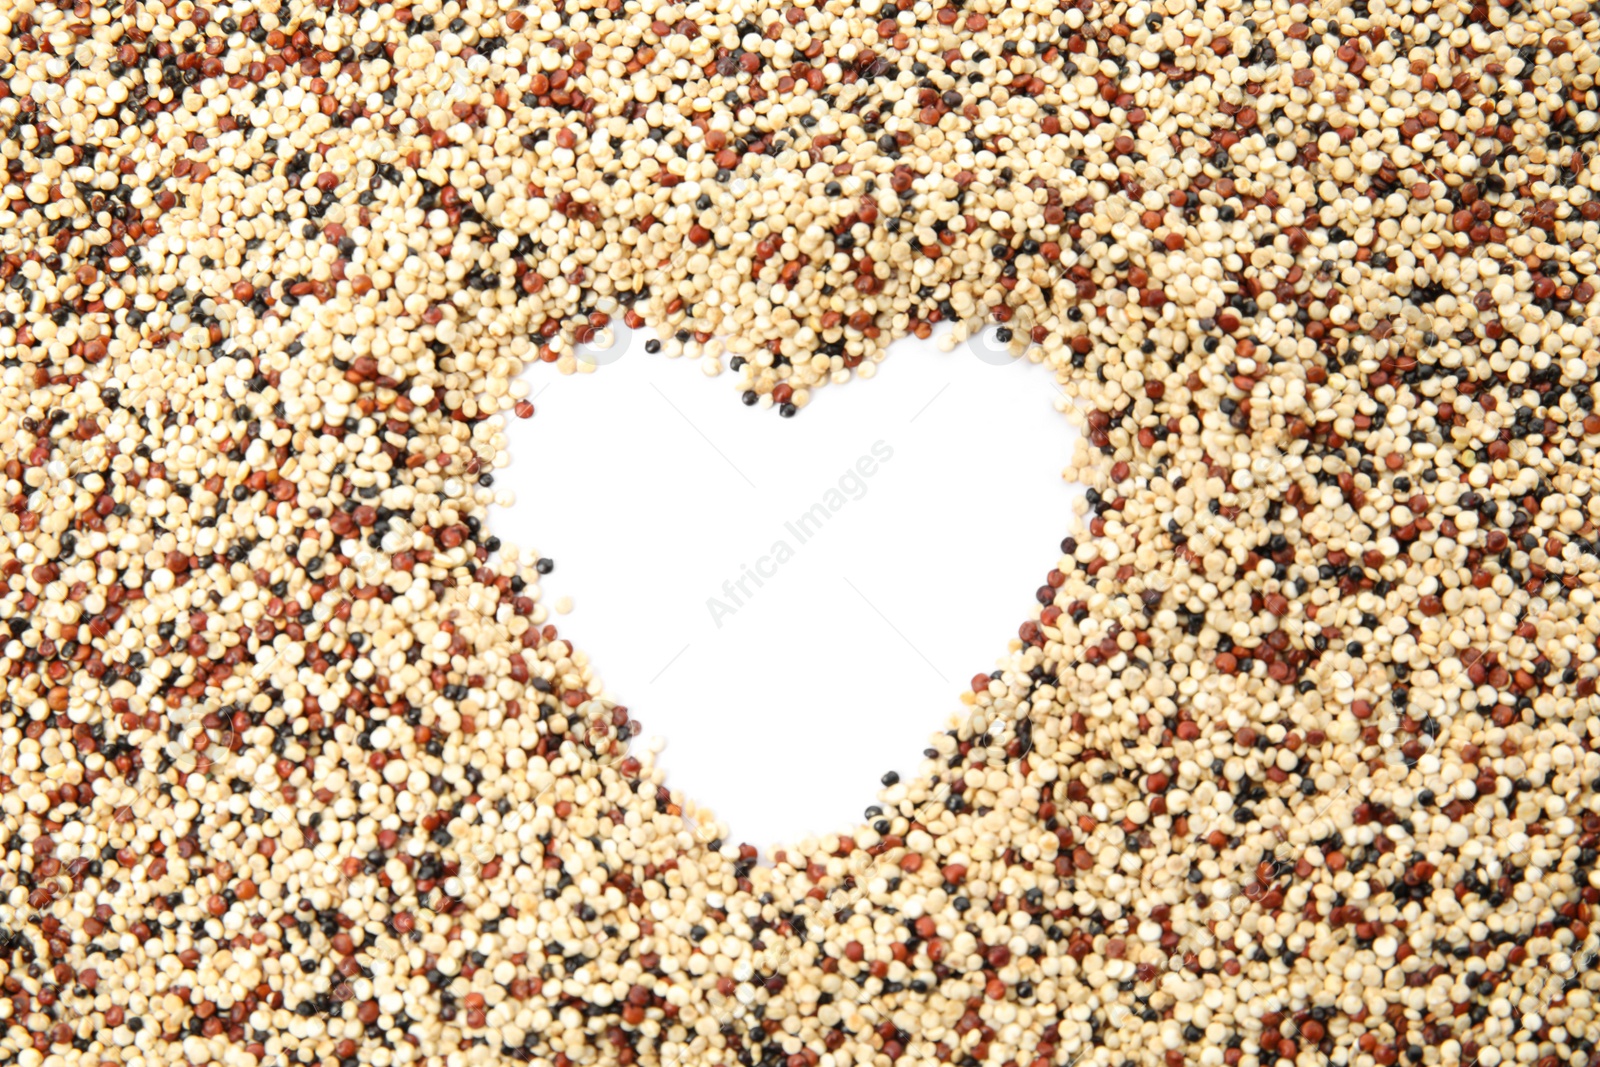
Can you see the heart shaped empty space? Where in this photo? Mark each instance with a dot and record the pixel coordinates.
(793, 604)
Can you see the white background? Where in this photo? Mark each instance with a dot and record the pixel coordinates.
(651, 485)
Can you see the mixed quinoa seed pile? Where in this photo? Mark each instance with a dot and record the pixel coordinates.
(1292, 761)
